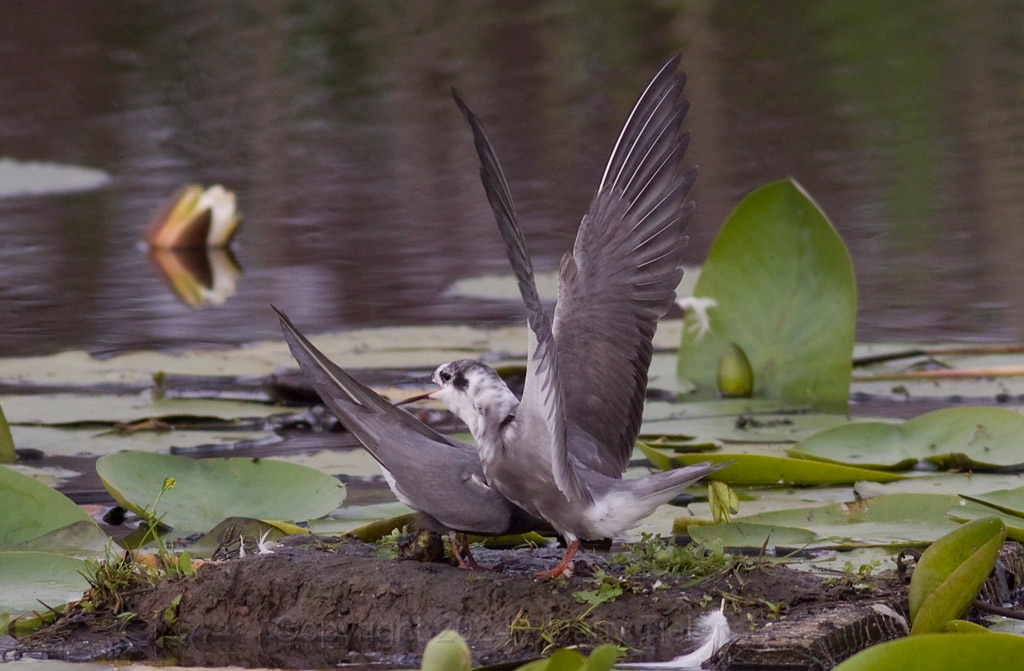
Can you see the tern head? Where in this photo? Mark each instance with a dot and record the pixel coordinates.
(476, 394)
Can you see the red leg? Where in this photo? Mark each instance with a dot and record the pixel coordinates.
(570, 551)
(465, 558)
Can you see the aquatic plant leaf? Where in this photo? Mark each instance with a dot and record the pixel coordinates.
(943, 482)
(1010, 501)
(208, 490)
(896, 519)
(54, 441)
(26, 578)
(973, 511)
(738, 534)
(31, 509)
(231, 529)
(743, 427)
(950, 572)
(928, 652)
(7, 454)
(100, 409)
(757, 469)
(969, 437)
(83, 538)
(448, 651)
(602, 658)
(785, 292)
(22, 178)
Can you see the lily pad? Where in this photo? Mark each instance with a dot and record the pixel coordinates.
(744, 427)
(54, 441)
(972, 437)
(69, 409)
(756, 469)
(1006, 500)
(898, 519)
(30, 178)
(31, 509)
(967, 511)
(950, 572)
(7, 454)
(785, 292)
(28, 578)
(208, 490)
(928, 652)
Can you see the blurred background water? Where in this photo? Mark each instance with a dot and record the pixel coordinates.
(358, 183)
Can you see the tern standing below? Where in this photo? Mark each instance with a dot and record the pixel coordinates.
(438, 477)
(560, 452)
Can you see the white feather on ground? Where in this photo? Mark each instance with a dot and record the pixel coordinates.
(714, 632)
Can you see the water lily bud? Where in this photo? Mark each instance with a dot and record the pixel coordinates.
(735, 378)
(195, 218)
(447, 652)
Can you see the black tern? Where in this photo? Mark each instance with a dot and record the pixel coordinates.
(437, 476)
(560, 452)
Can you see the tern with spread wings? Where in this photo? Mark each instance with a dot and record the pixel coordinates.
(560, 452)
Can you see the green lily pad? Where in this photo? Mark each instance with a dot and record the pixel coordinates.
(83, 538)
(943, 482)
(897, 519)
(208, 490)
(785, 292)
(54, 441)
(756, 469)
(31, 509)
(738, 534)
(968, 511)
(7, 454)
(950, 572)
(602, 658)
(28, 578)
(929, 652)
(70, 409)
(744, 427)
(970, 437)
(1005, 500)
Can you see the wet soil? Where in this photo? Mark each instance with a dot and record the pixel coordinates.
(316, 603)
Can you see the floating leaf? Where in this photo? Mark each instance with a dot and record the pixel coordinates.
(950, 573)
(31, 509)
(974, 511)
(740, 534)
(929, 652)
(743, 427)
(28, 578)
(785, 292)
(77, 442)
(897, 519)
(83, 538)
(7, 454)
(208, 490)
(970, 437)
(602, 658)
(1009, 501)
(756, 469)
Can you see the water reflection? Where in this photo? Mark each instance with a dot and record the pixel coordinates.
(197, 277)
(333, 124)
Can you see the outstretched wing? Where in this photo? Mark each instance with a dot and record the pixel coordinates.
(428, 471)
(621, 275)
(542, 401)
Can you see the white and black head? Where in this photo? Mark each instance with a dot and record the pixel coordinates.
(476, 394)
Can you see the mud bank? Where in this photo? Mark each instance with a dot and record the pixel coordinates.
(321, 603)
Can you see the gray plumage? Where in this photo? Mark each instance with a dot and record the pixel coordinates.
(561, 451)
(437, 476)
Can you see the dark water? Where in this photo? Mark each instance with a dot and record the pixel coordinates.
(358, 182)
